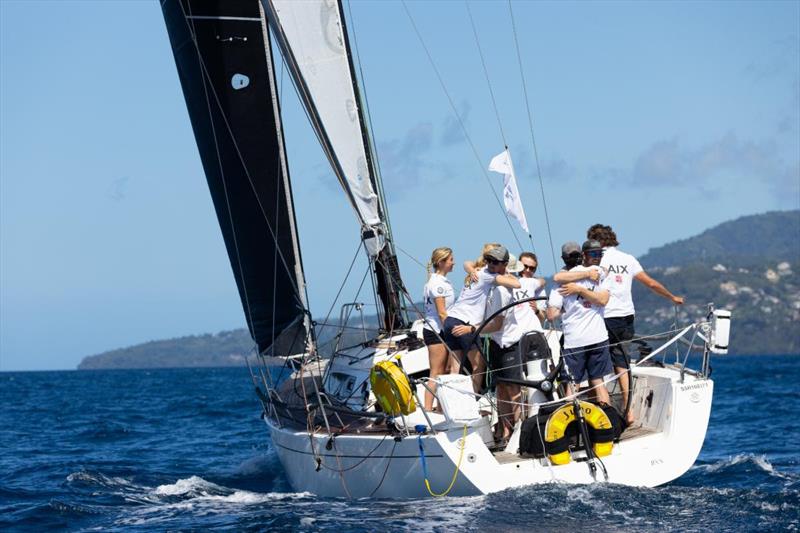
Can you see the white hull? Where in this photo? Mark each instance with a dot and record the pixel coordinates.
(673, 426)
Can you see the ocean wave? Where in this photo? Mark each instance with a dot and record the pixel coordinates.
(89, 477)
(195, 487)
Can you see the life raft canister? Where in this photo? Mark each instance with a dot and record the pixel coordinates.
(556, 439)
(392, 389)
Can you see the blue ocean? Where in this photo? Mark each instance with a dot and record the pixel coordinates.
(185, 449)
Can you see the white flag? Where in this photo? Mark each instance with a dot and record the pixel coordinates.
(501, 163)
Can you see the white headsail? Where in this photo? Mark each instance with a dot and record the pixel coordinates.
(313, 30)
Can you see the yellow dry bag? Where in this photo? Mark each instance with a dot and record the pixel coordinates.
(392, 389)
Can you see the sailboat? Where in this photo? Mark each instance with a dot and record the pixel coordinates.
(349, 423)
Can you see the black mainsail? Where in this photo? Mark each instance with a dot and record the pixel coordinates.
(225, 65)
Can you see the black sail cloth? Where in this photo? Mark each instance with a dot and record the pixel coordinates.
(228, 82)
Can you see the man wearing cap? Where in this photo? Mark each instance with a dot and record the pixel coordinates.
(507, 329)
(468, 311)
(622, 269)
(580, 304)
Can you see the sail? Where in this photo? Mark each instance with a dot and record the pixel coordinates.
(314, 36)
(226, 70)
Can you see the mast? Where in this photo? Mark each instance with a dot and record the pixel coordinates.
(226, 70)
(313, 40)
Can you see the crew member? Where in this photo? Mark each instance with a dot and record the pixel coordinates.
(438, 296)
(622, 269)
(468, 311)
(580, 305)
(507, 329)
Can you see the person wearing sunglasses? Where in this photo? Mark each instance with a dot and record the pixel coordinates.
(580, 305)
(467, 313)
(532, 285)
(622, 269)
(506, 331)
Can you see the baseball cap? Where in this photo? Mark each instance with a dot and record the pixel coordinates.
(570, 248)
(591, 244)
(499, 253)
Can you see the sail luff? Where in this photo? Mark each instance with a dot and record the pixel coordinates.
(287, 186)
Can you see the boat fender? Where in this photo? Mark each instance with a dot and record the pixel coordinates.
(392, 389)
(557, 435)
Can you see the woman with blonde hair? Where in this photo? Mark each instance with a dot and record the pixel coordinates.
(468, 311)
(438, 296)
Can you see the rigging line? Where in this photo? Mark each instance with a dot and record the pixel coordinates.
(460, 122)
(207, 76)
(486, 73)
(341, 287)
(533, 138)
(417, 261)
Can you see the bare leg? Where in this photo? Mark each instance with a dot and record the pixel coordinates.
(454, 361)
(437, 357)
(515, 407)
(478, 369)
(624, 385)
(601, 393)
(502, 411)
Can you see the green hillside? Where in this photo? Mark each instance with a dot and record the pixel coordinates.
(750, 266)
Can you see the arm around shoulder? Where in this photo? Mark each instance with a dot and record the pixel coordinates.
(571, 276)
(508, 281)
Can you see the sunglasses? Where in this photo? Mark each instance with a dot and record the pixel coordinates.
(496, 262)
(529, 268)
(595, 254)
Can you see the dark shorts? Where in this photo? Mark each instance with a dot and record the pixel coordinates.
(464, 343)
(593, 359)
(430, 338)
(620, 330)
(505, 363)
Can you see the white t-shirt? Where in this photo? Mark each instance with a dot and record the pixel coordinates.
(583, 321)
(471, 304)
(521, 318)
(620, 269)
(438, 286)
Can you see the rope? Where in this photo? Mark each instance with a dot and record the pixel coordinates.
(486, 74)
(491, 94)
(533, 138)
(460, 122)
(417, 261)
(455, 473)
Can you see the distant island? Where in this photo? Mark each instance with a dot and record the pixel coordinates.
(749, 266)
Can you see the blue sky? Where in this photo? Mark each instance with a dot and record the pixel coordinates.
(661, 119)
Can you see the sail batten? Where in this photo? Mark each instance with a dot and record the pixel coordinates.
(226, 70)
